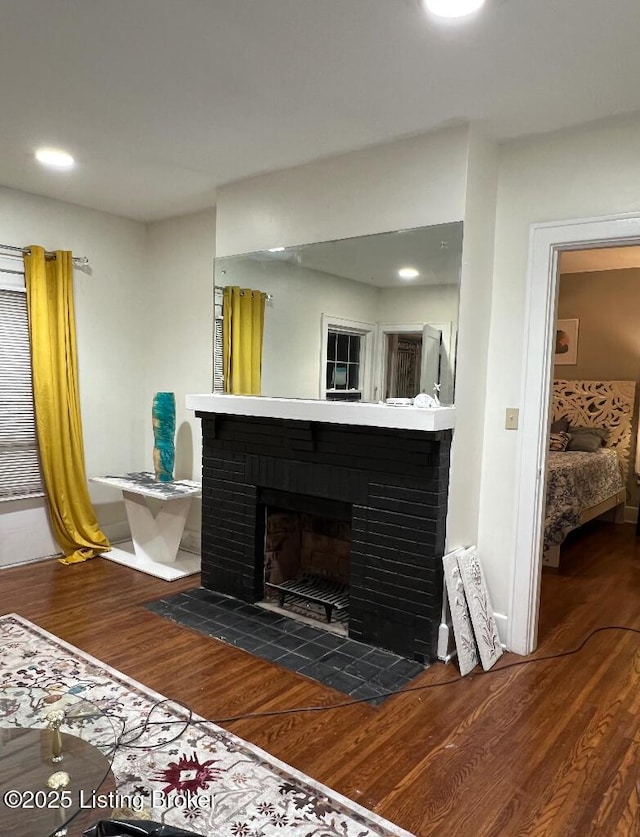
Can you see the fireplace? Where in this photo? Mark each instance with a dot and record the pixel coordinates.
(381, 491)
(307, 549)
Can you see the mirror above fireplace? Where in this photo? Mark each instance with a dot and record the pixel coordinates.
(342, 323)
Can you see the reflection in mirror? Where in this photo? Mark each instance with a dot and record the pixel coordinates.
(360, 319)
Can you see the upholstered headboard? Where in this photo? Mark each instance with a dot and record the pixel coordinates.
(606, 404)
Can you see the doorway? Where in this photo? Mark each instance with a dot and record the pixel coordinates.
(548, 241)
(404, 357)
(414, 358)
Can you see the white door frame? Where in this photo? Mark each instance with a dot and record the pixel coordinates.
(545, 243)
(384, 329)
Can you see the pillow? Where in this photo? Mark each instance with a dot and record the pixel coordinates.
(561, 425)
(559, 441)
(588, 439)
(601, 432)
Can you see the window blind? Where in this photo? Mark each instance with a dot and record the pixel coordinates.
(19, 461)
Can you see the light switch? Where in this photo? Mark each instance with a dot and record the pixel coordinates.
(511, 418)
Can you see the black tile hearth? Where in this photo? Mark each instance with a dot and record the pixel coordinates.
(355, 668)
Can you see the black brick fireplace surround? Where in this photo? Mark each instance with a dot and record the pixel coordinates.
(396, 482)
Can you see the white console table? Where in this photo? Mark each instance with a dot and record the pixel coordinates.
(155, 539)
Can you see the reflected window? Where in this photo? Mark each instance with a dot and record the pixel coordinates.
(347, 353)
(343, 373)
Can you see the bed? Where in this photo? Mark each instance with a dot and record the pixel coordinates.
(583, 484)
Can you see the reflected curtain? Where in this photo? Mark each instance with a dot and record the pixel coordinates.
(242, 333)
(52, 333)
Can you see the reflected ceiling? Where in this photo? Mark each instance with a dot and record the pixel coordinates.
(435, 252)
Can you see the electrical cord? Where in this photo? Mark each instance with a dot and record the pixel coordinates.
(127, 737)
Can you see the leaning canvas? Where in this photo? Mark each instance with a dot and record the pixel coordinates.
(480, 609)
(460, 618)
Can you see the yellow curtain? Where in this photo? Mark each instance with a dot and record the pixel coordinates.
(57, 404)
(242, 331)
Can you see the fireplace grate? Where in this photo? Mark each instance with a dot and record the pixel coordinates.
(314, 588)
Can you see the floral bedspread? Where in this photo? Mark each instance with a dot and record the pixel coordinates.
(576, 481)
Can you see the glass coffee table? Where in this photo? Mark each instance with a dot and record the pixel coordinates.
(56, 750)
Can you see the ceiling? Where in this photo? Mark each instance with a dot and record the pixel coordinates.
(161, 101)
(599, 258)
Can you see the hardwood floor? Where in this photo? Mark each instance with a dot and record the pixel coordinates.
(550, 748)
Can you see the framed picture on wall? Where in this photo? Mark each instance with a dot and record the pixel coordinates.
(566, 346)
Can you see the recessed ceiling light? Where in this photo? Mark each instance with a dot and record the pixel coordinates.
(453, 8)
(276, 249)
(55, 158)
(408, 273)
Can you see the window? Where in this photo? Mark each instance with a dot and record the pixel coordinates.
(19, 461)
(343, 365)
(347, 354)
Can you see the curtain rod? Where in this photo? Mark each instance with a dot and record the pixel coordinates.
(78, 261)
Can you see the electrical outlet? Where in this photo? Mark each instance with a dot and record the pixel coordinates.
(511, 418)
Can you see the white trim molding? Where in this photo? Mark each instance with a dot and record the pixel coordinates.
(333, 412)
(546, 242)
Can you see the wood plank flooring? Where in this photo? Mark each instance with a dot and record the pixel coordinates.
(546, 749)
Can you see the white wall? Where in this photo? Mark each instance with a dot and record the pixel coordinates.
(581, 173)
(423, 303)
(144, 323)
(473, 340)
(109, 306)
(415, 182)
(445, 176)
(178, 334)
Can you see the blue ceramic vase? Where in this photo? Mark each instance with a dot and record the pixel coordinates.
(164, 429)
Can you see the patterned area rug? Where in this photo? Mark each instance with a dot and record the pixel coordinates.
(208, 780)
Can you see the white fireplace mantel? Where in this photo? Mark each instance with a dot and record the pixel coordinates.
(333, 412)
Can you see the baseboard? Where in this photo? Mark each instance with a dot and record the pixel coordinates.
(502, 624)
(446, 645)
(117, 533)
(30, 561)
(628, 515)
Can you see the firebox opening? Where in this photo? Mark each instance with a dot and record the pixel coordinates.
(306, 558)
